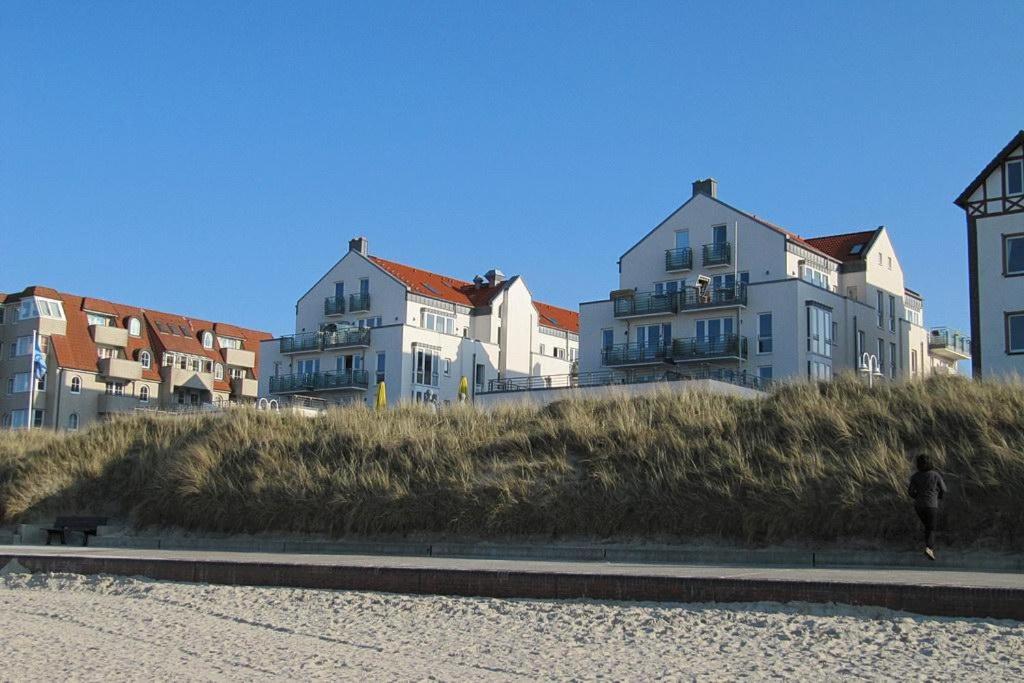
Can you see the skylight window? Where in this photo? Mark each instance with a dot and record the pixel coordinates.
(551, 320)
(856, 249)
(429, 288)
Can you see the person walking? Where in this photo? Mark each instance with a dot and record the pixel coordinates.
(927, 488)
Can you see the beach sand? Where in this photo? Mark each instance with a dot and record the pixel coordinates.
(61, 626)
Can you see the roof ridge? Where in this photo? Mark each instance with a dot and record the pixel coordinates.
(844, 234)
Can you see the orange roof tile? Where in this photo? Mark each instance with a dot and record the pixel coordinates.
(840, 247)
(426, 283)
(560, 318)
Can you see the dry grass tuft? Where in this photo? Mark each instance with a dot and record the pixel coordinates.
(811, 462)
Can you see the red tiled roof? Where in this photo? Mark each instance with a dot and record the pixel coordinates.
(840, 246)
(76, 349)
(560, 318)
(425, 283)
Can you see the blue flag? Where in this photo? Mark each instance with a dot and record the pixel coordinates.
(38, 361)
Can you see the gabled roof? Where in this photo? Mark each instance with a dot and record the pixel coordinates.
(789, 234)
(1017, 141)
(850, 246)
(76, 350)
(433, 285)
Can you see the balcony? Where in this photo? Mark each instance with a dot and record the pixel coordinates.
(621, 355)
(175, 376)
(949, 344)
(241, 386)
(110, 403)
(120, 368)
(346, 338)
(697, 349)
(334, 305)
(296, 343)
(109, 336)
(358, 302)
(320, 381)
(691, 298)
(239, 358)
(718, 254)
(644, 304)
(678, 259)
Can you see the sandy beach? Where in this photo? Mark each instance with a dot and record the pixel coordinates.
(61, 626)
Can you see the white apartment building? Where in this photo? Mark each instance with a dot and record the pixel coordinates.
(369, 320)
(994, 205)
(716, 291)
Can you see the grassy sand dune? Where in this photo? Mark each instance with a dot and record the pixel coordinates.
(810, 462)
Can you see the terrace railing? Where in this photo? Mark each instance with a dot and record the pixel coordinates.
(319, 381)
(334, 305)
(309, 341)
(346, 337)
(358, 302)
(633, 354)
(645, 303)
(610, 378)
(722, 347)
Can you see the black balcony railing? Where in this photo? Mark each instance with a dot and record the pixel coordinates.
(722, 347)
(346, 337)
(310, 341)
(679, 259)
(319, 381)
(358, 302)
(633, 354)
(717, 254)
(691, 298)
(334, 305)
(645, 303)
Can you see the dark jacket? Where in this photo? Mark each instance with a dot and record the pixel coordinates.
(927, 489)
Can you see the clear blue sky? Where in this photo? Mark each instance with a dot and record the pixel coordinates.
(213, 159)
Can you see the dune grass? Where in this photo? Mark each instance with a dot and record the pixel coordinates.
(810, 462)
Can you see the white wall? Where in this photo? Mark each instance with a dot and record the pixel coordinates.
(997, 294)
(387, 295)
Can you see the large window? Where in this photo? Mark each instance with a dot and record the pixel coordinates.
(427, 368)
(892, 313)
(654, 336)
(381, 360)
(1015, 332)
(480, 376)
(1013, 255)
(819, 331)
(24, 346)
(764, 333)
(146, 359)
(892, 359)
(308, 367)
(144, 394)
(860, 344)
(76, 385)
(73, 422)
(682, 239)
(1015, 177)
(115, 389)
(439, 322)
(229, 342)
(97, 319)
(207, 340)
(607, 338)
(881, 308)
(18, 419)
(134, 327)
(18, 383)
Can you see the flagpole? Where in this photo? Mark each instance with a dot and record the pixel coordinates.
(31, 383)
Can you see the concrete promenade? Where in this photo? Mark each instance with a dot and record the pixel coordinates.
(932, 592)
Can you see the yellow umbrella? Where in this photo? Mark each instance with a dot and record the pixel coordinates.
(464, 389)
(382, 397)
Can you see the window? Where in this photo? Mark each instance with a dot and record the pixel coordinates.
(115, 389)
(27, 309)
(890, 263)
(236, 373)
(892, 313)
(168, 360)
(364, 286)
(144, 393)
(892, 359)
(134, 327)
(37, 418)
(816, 370)
(1015, 332)
(764, 333)
(73, 422)
(146, 359)
(1, 315)
(879, 258)
(480, 376)
(207, 340)
(718, 234)
(654, 336)
(860, 344)
(218, 371)
(1013, 255)
(851, 293)
(1015, 177)
(542, 349)
(308, 367)
(447, 365)
(607, 338)
(41, 383)
(559, 352)
(881, 354)
(682, 239)
(427, 366)
(913, 361)
(380, 366)
(819, 331)
(714, 329)
(18, 418)
(573, 353)
(816, 277)
(881, 308)
(764, 372)
(76, 385)
(439, 322)
(24, 346)
(97, 319)
(18, 383)
(229, 342)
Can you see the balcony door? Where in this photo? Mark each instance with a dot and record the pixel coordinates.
(308, 367)
(339, 291)
(718, 234)
(653, 336)
(711, 330)
(682, 239)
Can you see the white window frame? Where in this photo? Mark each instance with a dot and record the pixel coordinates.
(146, 359)
(218, 371)
(134, 327)
(144, 393)
(73, 422)
(207, 340)
(76, 384)
(1006, 171)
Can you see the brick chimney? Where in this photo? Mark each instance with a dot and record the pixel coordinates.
(359, 244)
(708, 186)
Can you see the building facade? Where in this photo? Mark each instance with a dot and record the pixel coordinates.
(104, 358)
(369, 320)
(716, 291)
(994, 206)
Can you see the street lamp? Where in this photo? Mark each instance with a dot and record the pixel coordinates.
(869, 366)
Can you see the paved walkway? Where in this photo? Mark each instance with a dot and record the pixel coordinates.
(939, 592)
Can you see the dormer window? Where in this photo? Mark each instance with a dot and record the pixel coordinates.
(1015, 177)
(97, 319)
(207, 340)
(134, 327)
(145, 359)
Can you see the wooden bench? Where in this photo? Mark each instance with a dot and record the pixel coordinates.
(86, 525)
